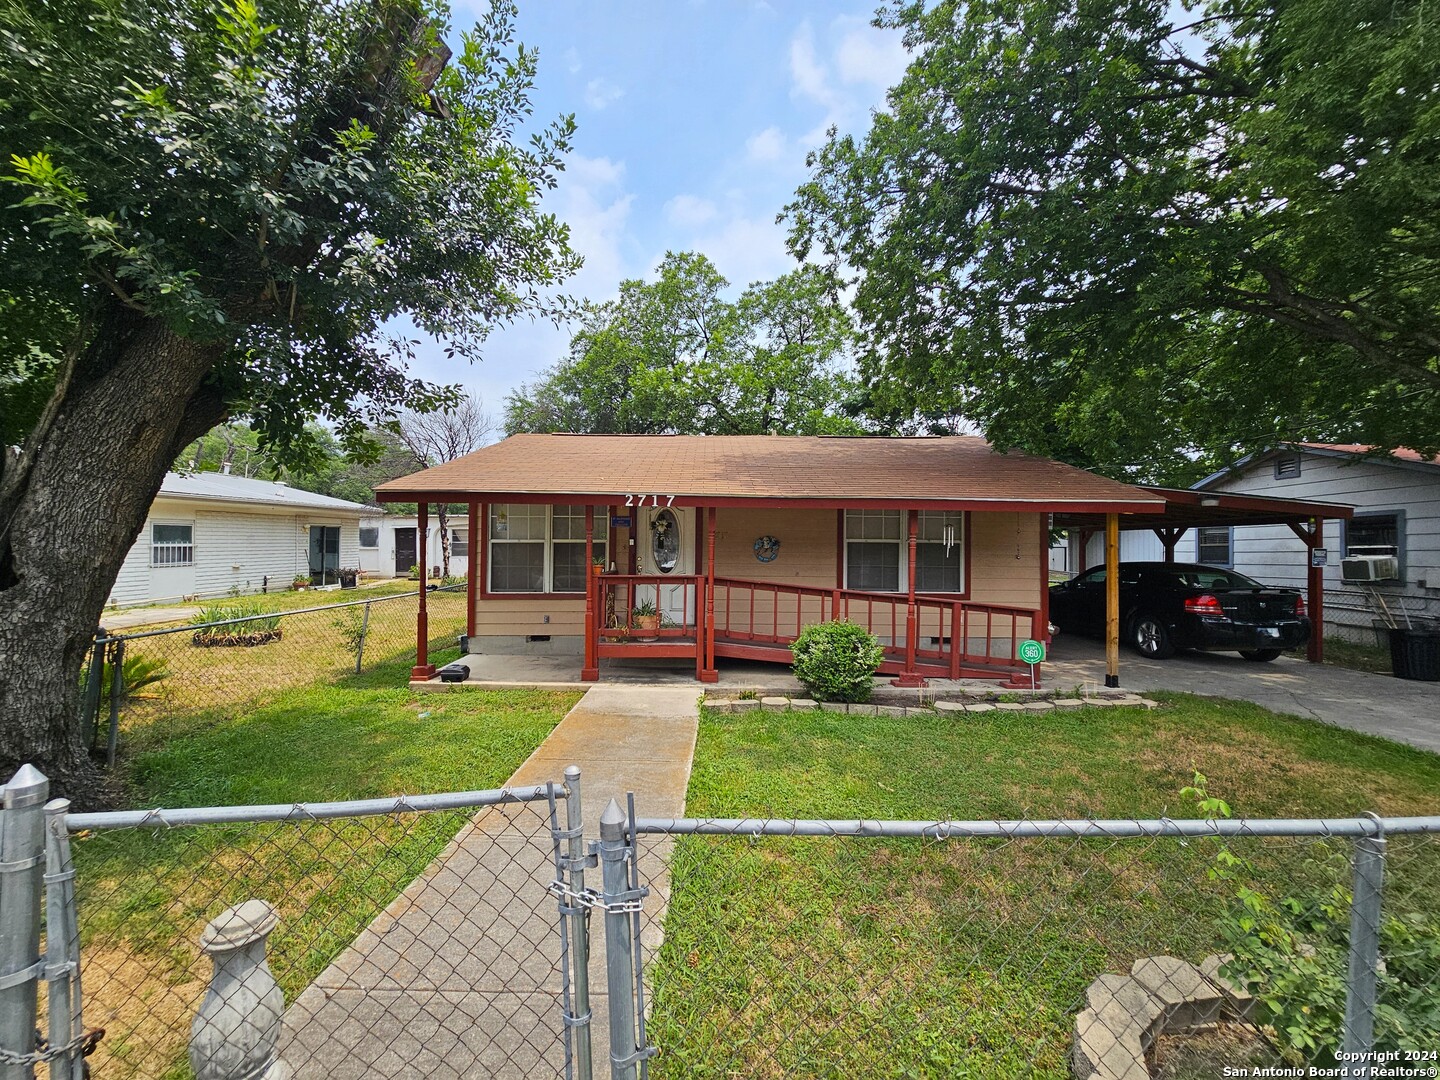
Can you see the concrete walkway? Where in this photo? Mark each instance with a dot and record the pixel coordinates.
(1404, 710)
(459, 976)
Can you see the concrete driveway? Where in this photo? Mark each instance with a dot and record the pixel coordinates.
(1400, 709)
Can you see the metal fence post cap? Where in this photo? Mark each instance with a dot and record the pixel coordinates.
(612, 822)
(572, 772)
(239, 926)
(28, 787)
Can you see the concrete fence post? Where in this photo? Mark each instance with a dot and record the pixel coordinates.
(237, 1029)
(1364, 961)
(22, 872)
(619, 955)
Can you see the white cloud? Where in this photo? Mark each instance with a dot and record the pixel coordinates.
(572, 60)
(767, 145)
(745, 249)
(602, 92)
(809, 74)
(689, 211)
(868, 55)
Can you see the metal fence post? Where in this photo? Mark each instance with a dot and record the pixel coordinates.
(619, 957)
(1360, 992)
(90, 700)
(62, 946)
(579, 925)
(22, 869)
(117, 691)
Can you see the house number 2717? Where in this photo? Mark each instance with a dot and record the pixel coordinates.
(639, 500)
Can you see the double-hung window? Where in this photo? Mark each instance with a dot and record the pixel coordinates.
(877, 559)
(459, 543)
(172, 545)
(540, 549)
(1213, 544)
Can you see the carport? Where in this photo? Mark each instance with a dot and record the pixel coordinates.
(1186, 509)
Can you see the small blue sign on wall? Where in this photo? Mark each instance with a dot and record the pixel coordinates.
(617, 522)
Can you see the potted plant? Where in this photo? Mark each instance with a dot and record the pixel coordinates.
(300, 581)
(414, 572)
(597, 567)
(646, 619)
(348, 576)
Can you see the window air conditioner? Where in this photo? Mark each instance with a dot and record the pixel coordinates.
(1370, 568)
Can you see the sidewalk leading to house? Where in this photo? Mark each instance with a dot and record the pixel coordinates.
(458, 977)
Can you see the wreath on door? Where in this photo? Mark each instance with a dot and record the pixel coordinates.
(767, 548)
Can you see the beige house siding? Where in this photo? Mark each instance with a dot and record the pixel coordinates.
(1004, 567)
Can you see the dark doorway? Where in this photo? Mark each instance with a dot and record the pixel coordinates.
(405, 551)
(324, 554)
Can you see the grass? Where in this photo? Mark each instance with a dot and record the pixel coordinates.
(1353, 655)
(282, 598)
(856, 957)
(145, 896)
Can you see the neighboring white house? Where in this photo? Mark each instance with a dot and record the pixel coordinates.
(1397, 514)
(208, 534)
(388, 543)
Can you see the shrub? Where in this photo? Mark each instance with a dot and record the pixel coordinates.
(251, 632)
(837, 660)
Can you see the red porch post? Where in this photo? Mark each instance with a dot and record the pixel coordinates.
(911, 677)
(1042, 632)
(709, 673)
(423, 669)
(591, 671)
(1314, 537)
(472, 569)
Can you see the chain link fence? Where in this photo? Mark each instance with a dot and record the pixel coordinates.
(225, 666)
(995, 949)
(1363, 616)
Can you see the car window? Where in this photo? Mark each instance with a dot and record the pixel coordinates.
(1224, 579)
(1091, 577)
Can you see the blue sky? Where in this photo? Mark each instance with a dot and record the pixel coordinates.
(693, 119)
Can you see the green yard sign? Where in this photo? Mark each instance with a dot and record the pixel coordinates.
(1030, 651)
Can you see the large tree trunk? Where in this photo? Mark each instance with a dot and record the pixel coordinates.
(71, 506)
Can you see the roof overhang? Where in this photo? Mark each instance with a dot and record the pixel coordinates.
(616, 498)
(1186, 508)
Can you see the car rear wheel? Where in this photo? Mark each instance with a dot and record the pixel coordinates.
(1150, 638)
(1260, 656)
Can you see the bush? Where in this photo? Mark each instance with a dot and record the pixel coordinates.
(837, 660)
(251, 632)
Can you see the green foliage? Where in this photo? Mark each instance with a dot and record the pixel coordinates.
(644, 610)
(281, 183)
(1117, 233)
(350, 624)
(1291, 952)
(136, 672)
(836, 661)
(252, 631)
(673, 355)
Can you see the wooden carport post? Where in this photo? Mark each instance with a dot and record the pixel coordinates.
(1112, 600)
(1169, 538)
(1313, 537)
(423, 669)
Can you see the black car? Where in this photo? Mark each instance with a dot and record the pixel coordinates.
(1169, 606)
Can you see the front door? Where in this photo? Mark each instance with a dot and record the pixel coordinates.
(405, 551)
(667, 549)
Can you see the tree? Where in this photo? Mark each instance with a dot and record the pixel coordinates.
(437, 437)
(673, 355)
(220, 214)
(1097, 231)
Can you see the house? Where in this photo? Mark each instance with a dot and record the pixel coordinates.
(389, 547)
(696, 547)
(1393, 536)
(209, 534)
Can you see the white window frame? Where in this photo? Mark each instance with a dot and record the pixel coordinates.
(1229, 562)
(461, 537)
(902, 544)
(188, 548)
(599, 540)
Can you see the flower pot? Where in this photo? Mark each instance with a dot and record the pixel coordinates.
(647, 625)
(1415, 654)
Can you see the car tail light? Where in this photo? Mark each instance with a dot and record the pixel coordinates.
(1204, 605)
(1300, 607)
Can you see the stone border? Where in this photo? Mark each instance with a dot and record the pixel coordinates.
(1125, 1014)
(776, 703)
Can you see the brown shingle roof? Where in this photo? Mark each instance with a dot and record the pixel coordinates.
(728, 468)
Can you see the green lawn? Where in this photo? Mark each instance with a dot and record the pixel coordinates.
(1354, 655)
(855, 957)
(145, 895)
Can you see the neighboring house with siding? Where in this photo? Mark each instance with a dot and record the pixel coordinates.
(389, 545)
(1397, 511)
(208, 534)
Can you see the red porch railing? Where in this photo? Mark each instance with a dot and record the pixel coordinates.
(954, 638)
(759, 619)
